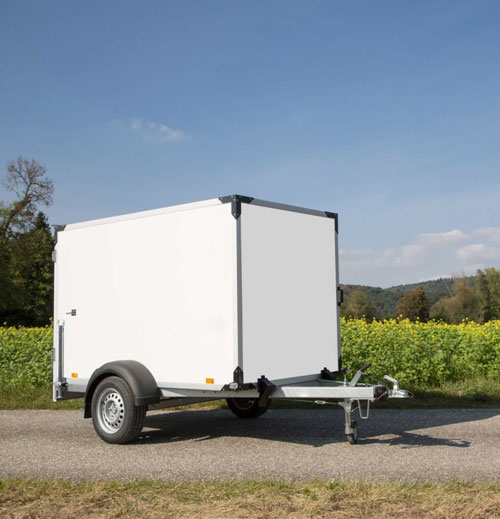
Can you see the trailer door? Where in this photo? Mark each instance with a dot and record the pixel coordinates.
(290, 317)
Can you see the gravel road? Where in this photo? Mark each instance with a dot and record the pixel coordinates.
(285, 444)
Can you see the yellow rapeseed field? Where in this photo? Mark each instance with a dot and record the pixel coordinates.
(418, 354)
(423, 354)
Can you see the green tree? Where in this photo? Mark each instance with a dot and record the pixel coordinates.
(488, 290)
(25, 245)
(414, 305)
(27, 181)
(31, 270)
(463, 304)
(357, 305)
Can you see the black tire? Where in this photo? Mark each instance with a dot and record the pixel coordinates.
(353, 438)
(246, 407)
(116, 419)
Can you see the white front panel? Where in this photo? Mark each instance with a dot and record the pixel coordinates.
(289, 290)
(160, 290)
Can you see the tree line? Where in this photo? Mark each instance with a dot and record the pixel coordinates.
(474, 298)
(26, 245)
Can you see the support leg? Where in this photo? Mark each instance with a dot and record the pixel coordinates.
(351, 427)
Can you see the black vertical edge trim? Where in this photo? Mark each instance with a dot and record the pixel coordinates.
(336, 217)
(236, 201)
(57, 228)
(340, 298)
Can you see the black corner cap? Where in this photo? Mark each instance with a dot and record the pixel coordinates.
(265, 388)
(236, 201)
(236, 198)
(238, 376)
(326, 374)
(58, 228)
(336, 217)
(238, 379)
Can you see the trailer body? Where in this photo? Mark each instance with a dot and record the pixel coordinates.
(233, 298)
(194, 293)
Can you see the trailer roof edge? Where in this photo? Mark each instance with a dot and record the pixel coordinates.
(235, 200)
(144, 214)
(239, 199)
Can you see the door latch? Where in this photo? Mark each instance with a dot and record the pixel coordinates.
(73, 312)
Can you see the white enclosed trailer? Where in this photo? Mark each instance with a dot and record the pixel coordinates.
(232, 298)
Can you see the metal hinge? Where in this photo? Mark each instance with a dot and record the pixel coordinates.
(54, 256)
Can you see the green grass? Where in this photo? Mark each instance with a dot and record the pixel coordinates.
(258, 499)
(39, 397)
(478, 393)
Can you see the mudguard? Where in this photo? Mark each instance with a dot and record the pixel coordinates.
(137, 376)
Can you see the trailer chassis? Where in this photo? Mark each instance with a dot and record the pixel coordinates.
(350, 395)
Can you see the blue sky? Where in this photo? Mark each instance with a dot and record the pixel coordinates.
(387, 112)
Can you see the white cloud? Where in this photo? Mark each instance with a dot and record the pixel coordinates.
(477, 251)
(440, 237)
(490, 233)
(158, 132)
(427, 256)
(407, 255)
(470, 270)
(434, 278)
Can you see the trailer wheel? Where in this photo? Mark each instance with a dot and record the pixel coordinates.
(353, 437)
(246, 407)
(116, 419)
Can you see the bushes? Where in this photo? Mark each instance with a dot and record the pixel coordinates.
(418, 354)
(423, 354)
(25, 356)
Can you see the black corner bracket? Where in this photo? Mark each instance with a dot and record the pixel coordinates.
(237, 384)
(236, 201)
(265, 388)
(238, 376)
(326, 374)
(57, 228)
(336, 217)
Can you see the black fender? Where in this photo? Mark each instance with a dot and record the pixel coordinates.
(137, 376)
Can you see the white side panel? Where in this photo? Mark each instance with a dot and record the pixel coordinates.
(289, 287)
(160, 290)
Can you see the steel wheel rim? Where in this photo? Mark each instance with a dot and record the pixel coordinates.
(110, 411)
(243, 404)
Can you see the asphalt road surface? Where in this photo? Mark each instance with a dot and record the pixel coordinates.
(285, 444)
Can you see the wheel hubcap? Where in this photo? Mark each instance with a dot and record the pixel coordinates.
(111, 410)
(243, 403)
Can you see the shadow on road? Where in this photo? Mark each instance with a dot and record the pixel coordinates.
(390, 427)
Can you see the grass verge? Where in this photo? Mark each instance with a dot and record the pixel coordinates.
(45, 499)
(478, 393)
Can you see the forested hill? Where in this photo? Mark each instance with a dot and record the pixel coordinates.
(385, 299)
